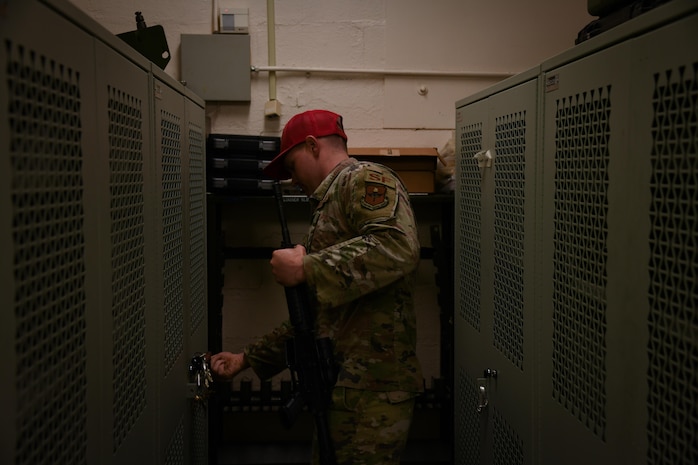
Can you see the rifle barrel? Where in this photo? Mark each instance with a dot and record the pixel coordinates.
(285, 235)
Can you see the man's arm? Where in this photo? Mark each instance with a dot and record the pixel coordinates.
(385, 248)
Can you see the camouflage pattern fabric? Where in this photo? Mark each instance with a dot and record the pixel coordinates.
(363, 252)
(368, 428)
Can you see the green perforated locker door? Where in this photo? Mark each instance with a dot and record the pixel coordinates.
(181, 326)
(664, 133)
(101, 232)
(586, 121)
(49, 291)
(618, 380)
(494, 342)
(128, 405)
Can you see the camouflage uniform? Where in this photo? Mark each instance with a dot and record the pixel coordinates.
(363, 251)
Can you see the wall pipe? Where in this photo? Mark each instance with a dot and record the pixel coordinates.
(272, 70)
(214, 20)
(271, 48)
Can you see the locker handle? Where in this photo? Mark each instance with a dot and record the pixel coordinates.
(484, 159)
(482, 400)
(200, 377)
(482, 385)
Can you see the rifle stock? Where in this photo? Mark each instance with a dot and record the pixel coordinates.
(309, 358)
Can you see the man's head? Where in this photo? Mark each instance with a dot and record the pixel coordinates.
(304, 129)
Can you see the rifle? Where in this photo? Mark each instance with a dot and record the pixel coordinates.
(310, 359)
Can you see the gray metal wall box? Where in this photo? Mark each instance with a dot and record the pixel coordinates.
(217, 67)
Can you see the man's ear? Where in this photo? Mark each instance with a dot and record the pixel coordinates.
(312, 144)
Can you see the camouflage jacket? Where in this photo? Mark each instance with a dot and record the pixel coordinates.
(363, 252)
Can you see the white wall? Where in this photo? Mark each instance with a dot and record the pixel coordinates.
(474, 36)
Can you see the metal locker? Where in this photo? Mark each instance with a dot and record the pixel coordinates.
(469, 427)
(179, 146)
(612, 275)
(48, 278)
(668, 137)
(664, 150)
(584, 101)
(103, 250)
(167, 186)
(195, 267)
(129, 401)
(494, 328)
(620, 212)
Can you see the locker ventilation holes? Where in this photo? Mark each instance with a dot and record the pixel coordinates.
(510, 145)
(197, 205)
(469, 206)
(467, 444)
(127, 260)
(673, 318)
(170, 130)
(508, 446)
(49, 258)
(580, 256)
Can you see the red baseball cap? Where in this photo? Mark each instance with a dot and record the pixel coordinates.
(317, 123)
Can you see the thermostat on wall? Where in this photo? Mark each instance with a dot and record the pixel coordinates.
(233, 20)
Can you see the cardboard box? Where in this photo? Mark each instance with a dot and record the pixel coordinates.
(415, 166)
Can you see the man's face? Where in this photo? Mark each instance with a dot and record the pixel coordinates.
(300, 163)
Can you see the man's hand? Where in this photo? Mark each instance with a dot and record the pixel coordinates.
(287, 266)
(225, 365)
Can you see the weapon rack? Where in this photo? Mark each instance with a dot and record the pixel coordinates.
(243, 412)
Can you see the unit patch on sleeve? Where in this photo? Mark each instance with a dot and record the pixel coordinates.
(375, 191)
(374, 196)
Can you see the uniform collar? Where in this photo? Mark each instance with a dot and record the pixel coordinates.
(324, 186)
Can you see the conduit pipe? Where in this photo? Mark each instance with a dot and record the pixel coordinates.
(271, 48)
(272, 70)
(214, 19)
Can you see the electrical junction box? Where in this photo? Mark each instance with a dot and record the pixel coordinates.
(234, 20)
(217, 66)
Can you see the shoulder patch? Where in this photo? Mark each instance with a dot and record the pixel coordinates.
(376, 189)
(374, 196)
